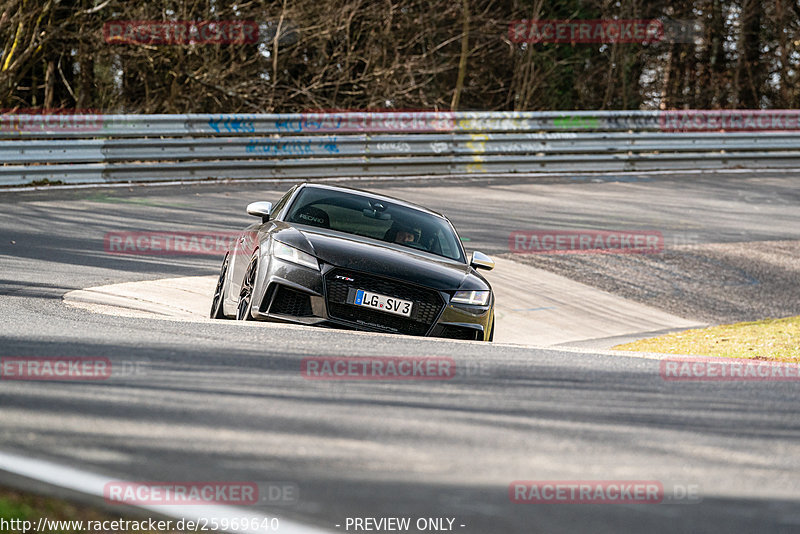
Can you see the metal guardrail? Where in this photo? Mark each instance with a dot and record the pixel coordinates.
(92, 148)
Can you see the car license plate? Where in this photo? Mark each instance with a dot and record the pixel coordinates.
(383, 303)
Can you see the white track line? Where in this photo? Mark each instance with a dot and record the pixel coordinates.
(92, 484)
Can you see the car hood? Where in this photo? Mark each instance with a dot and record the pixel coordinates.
(382, 259)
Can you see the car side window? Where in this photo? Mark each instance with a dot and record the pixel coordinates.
(445, 246)
(282, 202)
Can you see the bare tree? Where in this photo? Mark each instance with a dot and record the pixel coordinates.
(395, 54)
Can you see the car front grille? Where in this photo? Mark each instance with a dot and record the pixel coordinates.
(427, 302)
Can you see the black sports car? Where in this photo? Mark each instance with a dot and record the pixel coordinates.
(335, 256)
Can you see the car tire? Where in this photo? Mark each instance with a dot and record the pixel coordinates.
(217, 311)
(243, 312)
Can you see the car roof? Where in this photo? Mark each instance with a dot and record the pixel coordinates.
(375, 196)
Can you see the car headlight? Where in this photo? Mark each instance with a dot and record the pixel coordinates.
(285, 252)
(476, 298)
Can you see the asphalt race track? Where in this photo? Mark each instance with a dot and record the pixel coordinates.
(227, 401)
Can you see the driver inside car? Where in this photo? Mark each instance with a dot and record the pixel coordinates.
(404, 234)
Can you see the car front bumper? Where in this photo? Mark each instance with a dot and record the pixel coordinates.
(294, 293)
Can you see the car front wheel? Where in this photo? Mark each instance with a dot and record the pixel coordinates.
(219, 292)
(246, 293)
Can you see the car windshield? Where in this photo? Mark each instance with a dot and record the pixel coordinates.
(377, 219)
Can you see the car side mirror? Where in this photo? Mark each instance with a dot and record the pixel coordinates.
(260, 209)
(480, 260)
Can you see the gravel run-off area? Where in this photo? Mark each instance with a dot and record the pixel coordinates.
(715, 283)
